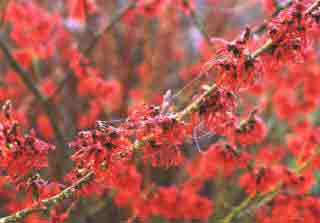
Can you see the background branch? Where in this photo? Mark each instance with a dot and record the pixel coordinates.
(113, 22)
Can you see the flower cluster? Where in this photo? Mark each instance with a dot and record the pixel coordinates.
(20, 153)
(237, 69)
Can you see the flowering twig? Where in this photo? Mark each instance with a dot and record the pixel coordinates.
(268, 196)
(47, 106)
(279, 8)
(46, 204)
(262, 199)
(194, 106)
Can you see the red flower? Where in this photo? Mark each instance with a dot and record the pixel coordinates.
(262, 180)
(219, 159)
(251, 131)
(20, 153)
(218, 111)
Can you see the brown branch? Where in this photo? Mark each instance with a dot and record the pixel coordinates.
(3, 8)
(60, 85)
(197, 22)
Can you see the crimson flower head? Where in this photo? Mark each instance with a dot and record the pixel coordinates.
(251, 131)
(220, 159)
(235, 68)
(262, 179)
(20, 153)
(218, 112)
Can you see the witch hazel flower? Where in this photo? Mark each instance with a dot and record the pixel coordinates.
(217, 111)
(20, 153)
(263, 179)
(234, 67)
(221, 159)
(251, 131)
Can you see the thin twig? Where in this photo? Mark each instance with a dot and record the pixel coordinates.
(59, 87)
(113, 21)
(196, 20)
